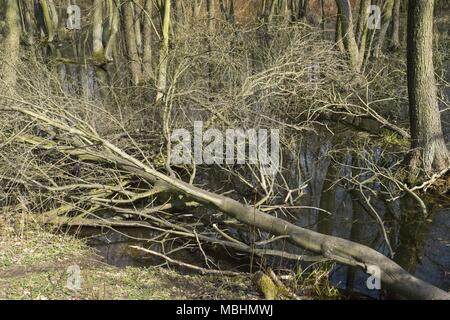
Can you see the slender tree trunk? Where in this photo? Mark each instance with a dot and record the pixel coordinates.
(362, 27)
(395, 36)
(348, 34)
(133, 56)
(97, 30)
(147, 42)
(273, 8)
(322, 16)
(47, 20)
(164, 53)
(113, 29)
(211, 12)
(11, 45)
(137, 24)
(304, 9)
(338, 32)
(385, 21)
(427, 140)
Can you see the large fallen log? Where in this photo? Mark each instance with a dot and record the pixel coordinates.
(347, 252)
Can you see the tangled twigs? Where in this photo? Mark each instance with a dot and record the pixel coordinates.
(393, 276)
(187, 265)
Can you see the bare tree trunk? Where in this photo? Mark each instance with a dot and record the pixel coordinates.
(395, 36)
(147, 42)
(322, 16)
(304, 9)
(114, 21)
(348, 33)
(385, 21)
(196, 7)
(273, 8)
(97, 30)
(137, 24)
(11, 45)
(47, 20)
(133, 56)
(427, 140)
(164, 53)
(338, 32)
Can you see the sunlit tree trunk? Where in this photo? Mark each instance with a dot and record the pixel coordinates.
(137, 24)
(385, 21)
(97, 30)
(362, 27)
(114, 21)
(363, 16)
(427, 140)
(211, 12)
(147, 42)
(348, 34)
(47, 20)
(273, 8)
(164, 53)
(133, 56)
(196, 7)
(11, 45)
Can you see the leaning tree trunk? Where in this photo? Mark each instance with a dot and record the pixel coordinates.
(430, 152)
(11, 45)
(392, 275)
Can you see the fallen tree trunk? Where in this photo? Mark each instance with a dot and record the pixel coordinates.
(347, 252)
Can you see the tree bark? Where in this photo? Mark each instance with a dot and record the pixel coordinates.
(97, 30)
(147, 42)
(164, 53)
(133, 56)
(11, 45)
(114, 21)
(385, 21)
(47, 20)
(362, 26)
(395, 36)
(348, 35)
(427, 139)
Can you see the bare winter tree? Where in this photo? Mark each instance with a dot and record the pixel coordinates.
(427, 140)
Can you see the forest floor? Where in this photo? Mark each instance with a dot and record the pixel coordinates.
(37, 264)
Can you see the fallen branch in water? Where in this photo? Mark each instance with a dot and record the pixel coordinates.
(189, 266)
(98, 149)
